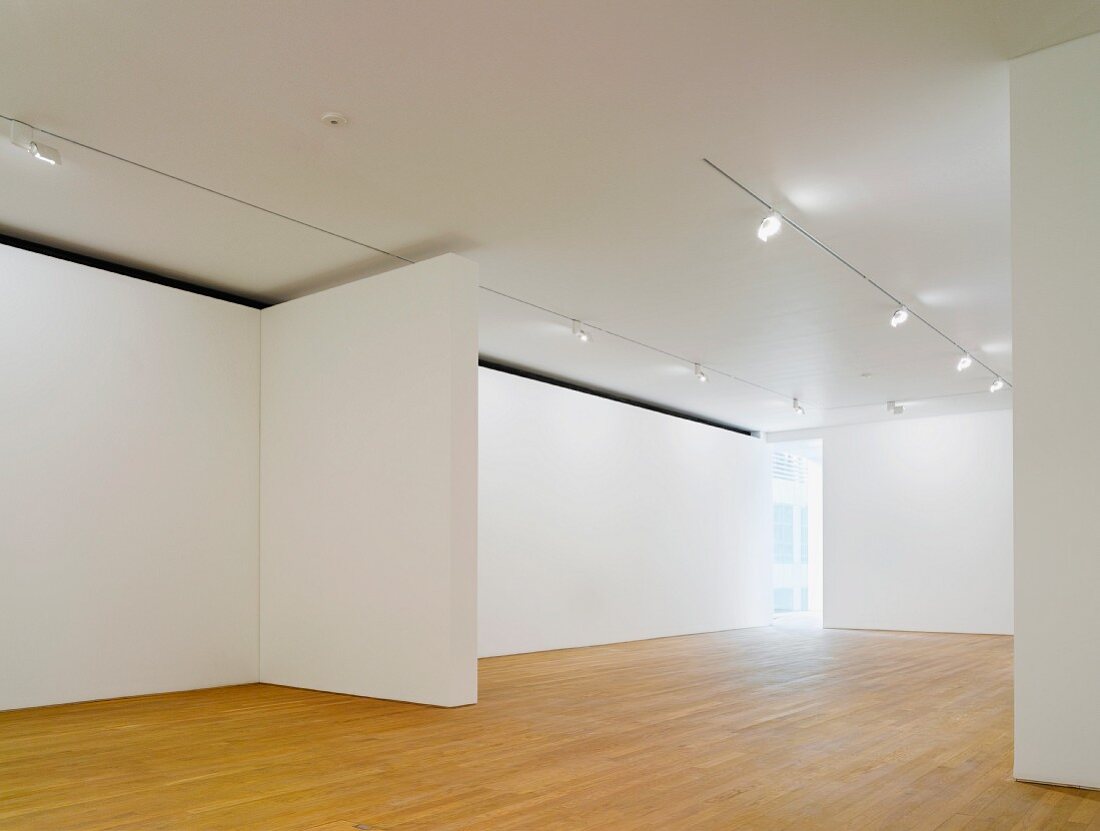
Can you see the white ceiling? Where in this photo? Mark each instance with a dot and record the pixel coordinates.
(559, 145)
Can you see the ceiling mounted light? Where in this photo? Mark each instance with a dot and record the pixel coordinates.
(22, 136)
(798, 408)
(769, 227)
(578, 332)
(45, 153)
(700, 376)
(773, 223)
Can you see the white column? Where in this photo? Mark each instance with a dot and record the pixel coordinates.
(1056, 294)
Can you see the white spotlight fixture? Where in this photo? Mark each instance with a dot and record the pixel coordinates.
(700, 376)
(579, 333)
(45, 153)
(798, 408)
(998, 384)
(22, 136)
(964, 363)
(899, 317)
(769, 227)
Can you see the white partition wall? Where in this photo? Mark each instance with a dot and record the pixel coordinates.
(602, 522)
(128, 485)
(369, 487)
(918, 524)
(1056, 292)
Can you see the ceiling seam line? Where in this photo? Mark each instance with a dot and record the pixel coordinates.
(907, 400)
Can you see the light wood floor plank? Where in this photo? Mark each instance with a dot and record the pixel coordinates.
(756, 730)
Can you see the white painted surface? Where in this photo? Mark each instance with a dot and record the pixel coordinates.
(579, 126)
(601, 522)
(369, 487)
(918, 524)
(128, 485)
(1056, 252)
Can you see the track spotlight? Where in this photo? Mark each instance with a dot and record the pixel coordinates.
(798, 408)
(579, 333)
(45, 153)
(700, 376)
(769, 227)
(22, 136)
(773, 223)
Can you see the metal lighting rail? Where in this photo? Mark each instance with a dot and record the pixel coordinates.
(204, 188)
(856, 271)
(378, 250)
(657, 349)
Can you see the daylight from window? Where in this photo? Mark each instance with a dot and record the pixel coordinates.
(797, 527)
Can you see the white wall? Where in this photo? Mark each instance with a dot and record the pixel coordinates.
(369, 487)
(601, 522)
(128, 485)
(918, 524)
(1056, 292)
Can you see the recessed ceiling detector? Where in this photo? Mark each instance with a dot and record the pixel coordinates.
(334, 119)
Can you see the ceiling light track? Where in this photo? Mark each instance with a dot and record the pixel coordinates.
(773, 211)
(984, 393)
(697, 367)
(196, 185)
(578, 328)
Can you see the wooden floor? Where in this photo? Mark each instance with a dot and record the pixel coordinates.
(778, 728)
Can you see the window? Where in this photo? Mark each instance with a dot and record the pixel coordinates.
(784, 600)
(796, 502)
(803, 535)
(784, 533)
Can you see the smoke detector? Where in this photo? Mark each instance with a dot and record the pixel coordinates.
(334, 119)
